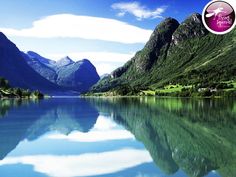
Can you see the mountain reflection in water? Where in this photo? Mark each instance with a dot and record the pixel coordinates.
(119, 137)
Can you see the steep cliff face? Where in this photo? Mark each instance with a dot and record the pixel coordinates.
(192, 27)
(183, 53)
(157, 45)
(155, 48)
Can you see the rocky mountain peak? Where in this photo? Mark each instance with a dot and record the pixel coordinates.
(190, 28)
(85, 61)
(196, 17)
(36, 57)
(164, 29)
(167, 23)
(64, 61)
(159, 40)
(66, 58)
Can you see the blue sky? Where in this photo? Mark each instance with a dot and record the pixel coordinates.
(107, 32)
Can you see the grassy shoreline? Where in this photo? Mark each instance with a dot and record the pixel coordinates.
(150, 96)
(204, 90)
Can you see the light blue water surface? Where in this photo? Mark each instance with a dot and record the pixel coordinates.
(117, 137)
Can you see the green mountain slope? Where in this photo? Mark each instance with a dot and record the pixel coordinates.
(185, 54)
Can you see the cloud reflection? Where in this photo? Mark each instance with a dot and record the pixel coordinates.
(83, 165)
(104, 130)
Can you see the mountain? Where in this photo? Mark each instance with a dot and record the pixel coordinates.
(41, 66)
(78, 76)
(185, 54)
(104, 76)
(15, 69)
(34, 56)
(64, 62)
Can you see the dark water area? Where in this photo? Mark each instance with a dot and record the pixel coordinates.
(118, 137)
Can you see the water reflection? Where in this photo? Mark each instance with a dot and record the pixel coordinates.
(6, 104)
(196, 136)
(102, 137)
(24, 119)
(83, 165)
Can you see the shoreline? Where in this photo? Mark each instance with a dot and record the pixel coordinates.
(146, 96)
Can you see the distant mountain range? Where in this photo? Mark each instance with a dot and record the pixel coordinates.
(15, 69)
(185, 54)
(78, 76)
(31, 71)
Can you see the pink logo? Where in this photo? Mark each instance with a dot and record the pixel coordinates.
(219, 17)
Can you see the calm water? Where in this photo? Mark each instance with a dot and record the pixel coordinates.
(128, 137)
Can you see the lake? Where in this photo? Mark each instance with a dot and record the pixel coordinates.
(118, 137)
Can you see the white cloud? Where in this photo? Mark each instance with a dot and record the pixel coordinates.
(93, 136)
(105, 68)
(105, 123)
(104, 130)
(84, 164)
(96, 56)
(85, 27)
(138, 10)
(105, 62)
